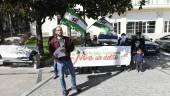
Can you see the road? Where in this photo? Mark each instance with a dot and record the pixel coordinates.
(154, 81)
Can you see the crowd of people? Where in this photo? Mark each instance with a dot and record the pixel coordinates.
(61, 46)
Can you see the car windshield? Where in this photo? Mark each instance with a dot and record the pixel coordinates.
(147, 38)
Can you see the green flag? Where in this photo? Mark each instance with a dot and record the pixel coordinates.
(104, 25)
(74, 21)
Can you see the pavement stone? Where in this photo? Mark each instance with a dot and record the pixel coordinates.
(149, 83)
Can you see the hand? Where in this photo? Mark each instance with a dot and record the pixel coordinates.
(134, 62)
(63, 50)
(55, 56)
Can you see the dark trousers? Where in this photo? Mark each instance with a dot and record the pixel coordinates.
(139, 66)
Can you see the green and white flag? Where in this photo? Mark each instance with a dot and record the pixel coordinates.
(104, 25)
(74, 21)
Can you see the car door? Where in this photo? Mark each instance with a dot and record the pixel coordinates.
(164, 42)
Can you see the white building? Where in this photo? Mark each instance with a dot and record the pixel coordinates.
(153, 20)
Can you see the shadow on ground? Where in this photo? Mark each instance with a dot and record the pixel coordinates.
(161, 60)
(94, 80)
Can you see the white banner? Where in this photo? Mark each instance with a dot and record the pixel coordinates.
(101, 56)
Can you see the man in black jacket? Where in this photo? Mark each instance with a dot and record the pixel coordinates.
(138, 42)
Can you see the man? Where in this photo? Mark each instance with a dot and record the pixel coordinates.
(51, 51)
(65, 46)
(138, 42)
(122, 40)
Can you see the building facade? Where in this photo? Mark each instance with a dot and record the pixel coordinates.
(153, 20)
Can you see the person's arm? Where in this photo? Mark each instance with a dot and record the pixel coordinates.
(134, 59)
(118, 43)
(72, 45)
(49, 45)
(69, 45)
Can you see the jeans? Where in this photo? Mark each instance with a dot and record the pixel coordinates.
(55, 68)
(63, 64)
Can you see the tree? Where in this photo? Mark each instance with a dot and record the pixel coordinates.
(34, 10)
(95, 8)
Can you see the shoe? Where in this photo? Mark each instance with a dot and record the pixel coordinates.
(55, 77)
(73, 91)
(65, 93)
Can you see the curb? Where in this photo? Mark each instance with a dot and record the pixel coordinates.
(37, 86)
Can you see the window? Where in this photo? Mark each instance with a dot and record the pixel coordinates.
(117, 27)
(150, 26)
(145, 27)
(166, 37)
(167, 27)
(132, 27)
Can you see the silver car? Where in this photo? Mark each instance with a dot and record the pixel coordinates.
(164, 42)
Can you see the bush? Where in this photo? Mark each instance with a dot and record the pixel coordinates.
(76, 40)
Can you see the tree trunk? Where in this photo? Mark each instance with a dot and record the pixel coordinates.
(1, 29)
(39, 37)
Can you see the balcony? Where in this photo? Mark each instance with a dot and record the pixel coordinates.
(152, 2)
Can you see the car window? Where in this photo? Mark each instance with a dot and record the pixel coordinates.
(147, 38)
(168, 37)
(165, 38)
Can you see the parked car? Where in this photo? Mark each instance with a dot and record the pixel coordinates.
(164, 42)
(107, 39)
(150, 47)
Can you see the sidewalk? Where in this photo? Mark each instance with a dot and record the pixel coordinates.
(149, 83)
(17, 80)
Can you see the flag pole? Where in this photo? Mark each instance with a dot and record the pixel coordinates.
(86, 29)
(93, 23)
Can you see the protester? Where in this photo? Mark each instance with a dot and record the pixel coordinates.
(51, 51)
(138, 42)
(82, 39)
(88, 42)
(95, 42)
(139, 60)
(122, 41)
(63, 45)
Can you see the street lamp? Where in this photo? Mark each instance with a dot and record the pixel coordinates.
(58, 19)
